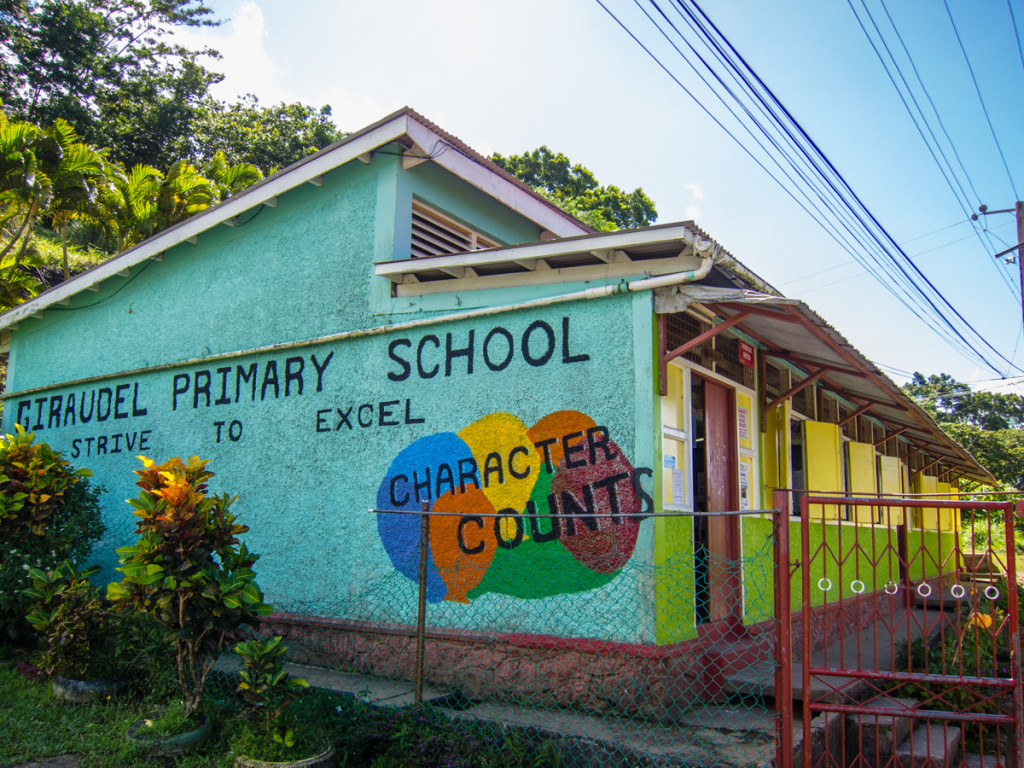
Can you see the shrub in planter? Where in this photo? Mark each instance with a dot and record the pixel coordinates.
(48, 513)
(271, 734)
(188, 570)
(78, 629)
(170, 731)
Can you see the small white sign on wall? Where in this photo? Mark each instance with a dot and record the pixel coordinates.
(678, 488)
(745, 470)
(743, 423)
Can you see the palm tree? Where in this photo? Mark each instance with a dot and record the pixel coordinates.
(184, 192)
(228, 179)
(24, 189)
(80, 180)
(136, 198)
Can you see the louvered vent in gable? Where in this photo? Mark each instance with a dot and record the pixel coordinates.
(434, 234)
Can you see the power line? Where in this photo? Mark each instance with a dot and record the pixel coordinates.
(1016, 32)
(862, 209)
(981, 100)
(841, 212)
(951, 177)
(936, 231)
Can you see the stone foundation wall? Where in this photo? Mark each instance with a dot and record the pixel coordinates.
(585, 675)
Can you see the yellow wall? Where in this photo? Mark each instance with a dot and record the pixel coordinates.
(890, 481)
(746, 426)
(925, 517)
(862, 477)
(675, 461)
(823, 463)
(673, 538)
(775, 450)
(949, 518)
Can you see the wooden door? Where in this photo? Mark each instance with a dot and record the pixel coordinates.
(718, 536)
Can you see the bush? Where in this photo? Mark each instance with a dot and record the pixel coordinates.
(267, 692)
(49, 513)
(188, 570)
(77, 625)
(977, 646)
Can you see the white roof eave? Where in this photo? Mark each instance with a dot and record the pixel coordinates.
(532, 251)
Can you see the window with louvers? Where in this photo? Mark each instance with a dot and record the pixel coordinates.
(719, 353)
(803, 401)
(434, 234)
(776, 380)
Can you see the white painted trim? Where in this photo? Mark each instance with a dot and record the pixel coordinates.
(675, 434)
(632, 238)
(529, 204)
(546, 276)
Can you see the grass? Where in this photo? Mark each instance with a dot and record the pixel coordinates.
(37, 726)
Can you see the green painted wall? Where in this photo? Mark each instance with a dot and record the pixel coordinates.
(296, 271)
(832, 545)
(931, 553)
(314, 436)
(758, 569)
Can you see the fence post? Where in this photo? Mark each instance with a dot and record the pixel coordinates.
(1014, 610)
(783, 645)
(421, 610)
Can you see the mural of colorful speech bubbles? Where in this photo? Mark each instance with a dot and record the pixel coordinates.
(528, 512)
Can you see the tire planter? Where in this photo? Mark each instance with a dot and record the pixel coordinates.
(172, 745)
(86, 691)
(328, 759)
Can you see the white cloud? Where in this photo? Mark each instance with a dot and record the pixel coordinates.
(244, 62)
(1010, 386)
(693, 212)
(696, 190)
(351, 110)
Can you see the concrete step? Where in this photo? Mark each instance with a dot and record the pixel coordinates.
(931, 746)
(876, 736)
(947, 600)
(963, 596)
(758, 680)
(974, 760)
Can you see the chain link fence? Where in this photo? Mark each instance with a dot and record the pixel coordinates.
(668, 661)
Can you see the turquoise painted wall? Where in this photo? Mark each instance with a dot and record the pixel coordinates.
(527, 409)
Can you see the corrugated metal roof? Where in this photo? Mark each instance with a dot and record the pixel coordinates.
(792, 332)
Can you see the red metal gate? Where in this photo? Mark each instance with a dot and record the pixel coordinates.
(906, 647)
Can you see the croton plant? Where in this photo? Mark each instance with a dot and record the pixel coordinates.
(188, 569)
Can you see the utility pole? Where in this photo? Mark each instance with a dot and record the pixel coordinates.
(1018, 211)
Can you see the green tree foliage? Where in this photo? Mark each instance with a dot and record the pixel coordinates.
(989, 425)
(46, 175)
(48, 513)
(951, 401)
(1001, 451)
(107, 67)
(148, 201)
(150, 119)
(48, 178)
(575, 190)
(267, 137)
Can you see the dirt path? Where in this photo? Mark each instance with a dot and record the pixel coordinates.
(60, 761)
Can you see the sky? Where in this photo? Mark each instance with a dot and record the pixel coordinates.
(510, 76)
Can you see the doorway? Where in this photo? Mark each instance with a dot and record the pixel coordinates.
(716, 539)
